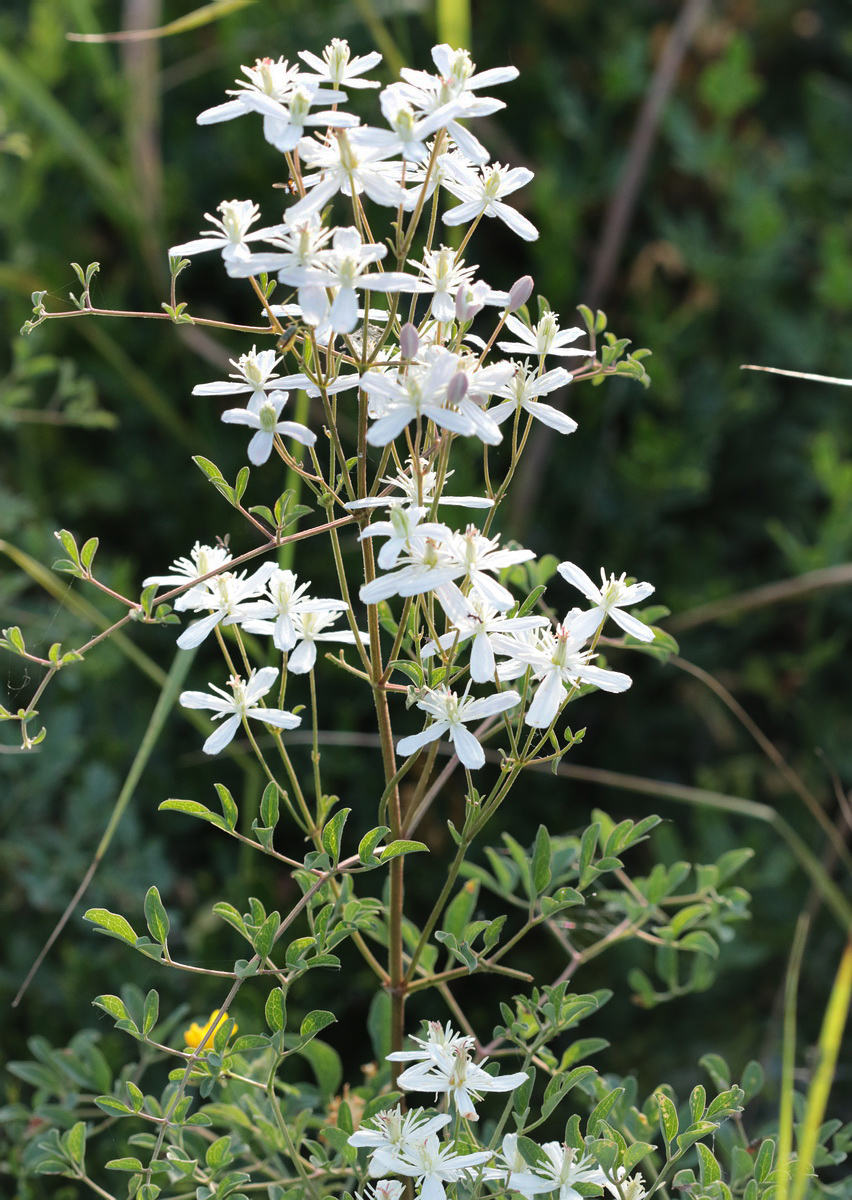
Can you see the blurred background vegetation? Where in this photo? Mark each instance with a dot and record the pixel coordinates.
(693, 178)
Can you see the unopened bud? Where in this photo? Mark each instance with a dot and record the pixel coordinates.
(457, 389)
(520, 292)
(469, 301)
(409, 341)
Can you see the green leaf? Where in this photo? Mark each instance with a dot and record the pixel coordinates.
(137, 1099)
(315, 1022)
(151, 1012)
(111, 924)
(763, 1161)
(88, 552)
(276, 1010)
(700, 1129)
(601, 1112)
(219, 1154)
(75, 1142)
(700, 941)
(115, 1108)
(668, 1118)
(717, 1069)
(697, 1103)
(401, 846)
(112, 1005)
(269, 803)
(541, 860)
(124, 1164)
(193, 809)
(333, 832)
(708, 1167)
(156, 916)
(369, 842)
(379, 1024)
(634, 1155)
(264, 939)
(241, 482)
(229, 807)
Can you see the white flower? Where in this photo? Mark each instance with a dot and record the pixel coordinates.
(345, 268)
(286, 601)
(609, 600)
(284, 121)
(338, 68)
(226, 597)
(451, 93)
(479, 620)
(310, 626)
(517, 1172)
(422, 392)
(383, 1189)
(390, 1133)
(477, 555)
(544, 338)
(433, 1164)
(239, 706)
(558, 661)
(202, 560)
(407, 133)
(265, 421)
(231, 234)
(267, 78)
(444, 276)
(418, 489)
(404, 530)
(523, 391)
(255, 373)
(443, 1065)
(346, 163)
(564, 1168)
(450, 713)
(297, 243)
(482, 194)
(626, 1187)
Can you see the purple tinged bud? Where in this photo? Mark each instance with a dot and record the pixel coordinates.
(520, 292)
(409, 341)
(457, 389)
(467, 304)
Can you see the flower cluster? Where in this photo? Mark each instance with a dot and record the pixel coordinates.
(408, 1144)
(422, 378)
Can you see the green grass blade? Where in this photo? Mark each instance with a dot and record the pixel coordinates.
(830, 1038)
(788, 1060)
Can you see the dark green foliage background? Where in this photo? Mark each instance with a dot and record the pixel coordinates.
(714, 481)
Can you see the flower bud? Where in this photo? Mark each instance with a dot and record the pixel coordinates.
(457, 389)
(520, 292)
(469, 301)
(409, 341)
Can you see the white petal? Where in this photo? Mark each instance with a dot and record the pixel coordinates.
(222, 736)
(416, 741)
(198, 631)
(470, 754)
(632, 625)
(303, 658)
(542, 712)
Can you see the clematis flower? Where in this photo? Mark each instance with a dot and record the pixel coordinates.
(557, 660)
(443, 1065)
(202, 560)
(312, 627)
(254, 373)
(195, 1035)
(434, 1164)
(404, 529)
(266, 424)
(516, 1172)
(608, 600)
(238, 707)
(523, 391)
(391, 1133)
(276, 612)
(227, 597)
(344, 268)
(479, 620)
(347, 164)
(339, 68)
(482, 193)
(544, 338)
(565, 1166)
(230, 235)
(284, 121)
(450, 713)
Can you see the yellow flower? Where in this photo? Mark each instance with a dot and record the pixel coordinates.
(196, 1033)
